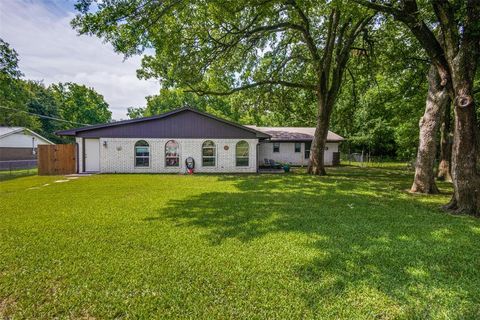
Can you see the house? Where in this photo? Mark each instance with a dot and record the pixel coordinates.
(292, 145)
(164, 142)
(18, 143)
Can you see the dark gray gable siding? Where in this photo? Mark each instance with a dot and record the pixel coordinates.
(184, 124)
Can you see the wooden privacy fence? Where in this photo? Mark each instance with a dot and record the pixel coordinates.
(56, 159)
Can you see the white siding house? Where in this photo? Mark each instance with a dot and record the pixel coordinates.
(292, 145)
(18, 143)
(287, 153)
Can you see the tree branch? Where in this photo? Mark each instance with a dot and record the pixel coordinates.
(409, 16)
(445, 14)
(379, 7)
(253, 85)
(306, 33)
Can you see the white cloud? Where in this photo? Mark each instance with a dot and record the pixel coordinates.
(50, 50)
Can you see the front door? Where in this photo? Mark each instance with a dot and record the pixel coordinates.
(92, 155)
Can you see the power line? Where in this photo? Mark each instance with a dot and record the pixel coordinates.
(46, 117)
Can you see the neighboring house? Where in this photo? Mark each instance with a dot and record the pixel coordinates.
(162, 143)
(17, 143)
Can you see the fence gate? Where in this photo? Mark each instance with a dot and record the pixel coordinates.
(57, 159)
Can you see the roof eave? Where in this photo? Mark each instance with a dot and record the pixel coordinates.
(300, 140)
(66, 133)
(73, 132)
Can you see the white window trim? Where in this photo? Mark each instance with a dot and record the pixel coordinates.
(143, 157)
(243, 157)
(295, 147)
(215, 156)
(179, 152)
(273, 147)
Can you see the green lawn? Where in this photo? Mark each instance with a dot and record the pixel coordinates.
(351, 245)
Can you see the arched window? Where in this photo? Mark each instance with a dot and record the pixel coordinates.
(172, 154)
(142, 154)
(209, 154)
(241, 154)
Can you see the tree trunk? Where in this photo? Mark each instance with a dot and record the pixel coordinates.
(317, 150)
(465, 177)
(445, 164)
(437, 99)
(466, 181)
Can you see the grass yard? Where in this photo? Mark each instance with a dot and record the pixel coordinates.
(351, 245)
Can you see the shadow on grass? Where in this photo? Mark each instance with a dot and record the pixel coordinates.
(374, 240)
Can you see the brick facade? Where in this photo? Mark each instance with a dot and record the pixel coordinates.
(18, 154)
(117, 155)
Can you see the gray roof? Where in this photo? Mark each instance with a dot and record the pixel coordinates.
(179, 123)
(6, 131)
(295, 133)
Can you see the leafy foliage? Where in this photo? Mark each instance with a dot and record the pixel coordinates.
(9, 60)
(205, 46)
(21, 101)
(80, 104)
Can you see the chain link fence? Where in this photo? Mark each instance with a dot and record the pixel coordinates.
(13, 168)
(365, 160)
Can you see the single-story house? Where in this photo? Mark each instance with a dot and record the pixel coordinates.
(164, 142)
(292, 145)
(18, 143)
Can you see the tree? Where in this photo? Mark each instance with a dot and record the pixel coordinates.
(444, 165)
(223, 47)
(436, 104)
(170, 99)
(454, 51)
(380, 103)
(13, 92)
(9, 61)
(80, 104)
(42, 101)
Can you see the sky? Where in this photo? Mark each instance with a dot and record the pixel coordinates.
(51, 51)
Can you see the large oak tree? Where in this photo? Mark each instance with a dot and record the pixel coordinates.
(223, 47)
(455, 51)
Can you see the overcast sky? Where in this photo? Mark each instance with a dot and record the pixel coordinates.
(50, 50)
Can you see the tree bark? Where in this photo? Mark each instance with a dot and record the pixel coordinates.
(317, 150)
(466, 180)
(456, 59)
(445, 164)
(437, 99)
(330, 67)
(465, 176)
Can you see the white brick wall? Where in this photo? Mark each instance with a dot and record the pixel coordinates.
(118, 155)
(79, 153)
(287, 153)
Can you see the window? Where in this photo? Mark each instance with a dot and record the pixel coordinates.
(276, 147)
(308, 145)
(172, 155)
(209, 152)
(241, 154)
(142, 154)
(298, 147)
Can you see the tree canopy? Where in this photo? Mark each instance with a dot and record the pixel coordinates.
(45, 109)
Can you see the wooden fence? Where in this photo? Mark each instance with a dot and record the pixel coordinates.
(57, 159)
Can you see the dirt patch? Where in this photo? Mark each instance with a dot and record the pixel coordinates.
(7, 306)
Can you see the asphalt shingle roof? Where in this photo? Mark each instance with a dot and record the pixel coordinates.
(294, 133)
